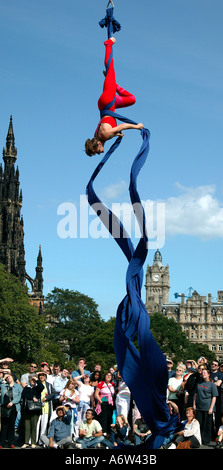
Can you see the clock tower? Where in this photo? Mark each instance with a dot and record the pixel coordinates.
(157, 284)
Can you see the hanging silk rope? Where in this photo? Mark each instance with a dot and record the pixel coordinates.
(144, 368)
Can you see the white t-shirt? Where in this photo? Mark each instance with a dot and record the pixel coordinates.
(175, 384)
(85, 392)
(94, 426)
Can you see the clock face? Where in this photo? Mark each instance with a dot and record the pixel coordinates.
(155, 277)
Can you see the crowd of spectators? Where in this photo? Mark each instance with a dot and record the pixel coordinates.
(54, 407)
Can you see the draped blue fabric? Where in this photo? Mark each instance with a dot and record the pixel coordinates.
(143, 368)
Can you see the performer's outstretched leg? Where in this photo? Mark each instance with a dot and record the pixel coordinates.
(109, 89)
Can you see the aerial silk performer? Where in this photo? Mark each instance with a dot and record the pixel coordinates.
(144, 368)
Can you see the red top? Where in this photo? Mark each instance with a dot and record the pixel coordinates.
(108, 120)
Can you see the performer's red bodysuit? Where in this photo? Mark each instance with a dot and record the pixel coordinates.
(122, 99)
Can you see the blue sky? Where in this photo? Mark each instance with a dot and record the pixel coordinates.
(169, 54)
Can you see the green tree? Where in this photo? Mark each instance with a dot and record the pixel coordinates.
(72, 318)
(21, 327)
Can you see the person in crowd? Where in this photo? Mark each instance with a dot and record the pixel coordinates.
(175, 391)
(219, 438)
(59, 384)
(123, 397)
(118, 433)
(141, 431)
(6, 369)
(191, 431)
(24, 379)
(191, 384)
(86, 396)
(95, 379)
(70, 395)
(97, 367)
(31, 408)
(90, 432)
(217, 377)
(171, 371)
(59, 435)
(105, 396)
(204, 404)
(47, 397)
(81, 368)
(10, 405)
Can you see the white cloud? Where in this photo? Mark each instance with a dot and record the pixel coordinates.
(114, 190)
(196, 212)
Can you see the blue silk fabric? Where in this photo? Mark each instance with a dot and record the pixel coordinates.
(143, 368)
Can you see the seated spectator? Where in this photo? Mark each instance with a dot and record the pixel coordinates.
(59, 435)
(118, 434)
(10, 404)
(31, 393)
(220, 435)
(141, 431)
(81, 368)
(90, 432)
(191, 432)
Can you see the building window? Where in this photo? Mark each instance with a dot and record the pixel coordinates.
(220, 347)
(213, 347)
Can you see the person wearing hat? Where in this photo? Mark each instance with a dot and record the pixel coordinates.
(47, 396)
(31, 393)
(59, 435)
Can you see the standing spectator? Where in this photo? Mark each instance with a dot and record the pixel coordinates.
(171, 372)
(59, 431)
(86, 396)
(10, 404)
(59, 384)
(4, 364)
(90, 432)
(105, 396)
(204, 404)
(25, 377)
(175, 392)
(123, 397)
(47, 396)
(31, 393)
(217, 377)
(69, 395)
(81, 368)
(191, 385)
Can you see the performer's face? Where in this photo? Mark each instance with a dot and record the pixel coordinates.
(100, 148)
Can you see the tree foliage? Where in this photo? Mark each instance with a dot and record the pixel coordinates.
(21, 327)
(75, 323)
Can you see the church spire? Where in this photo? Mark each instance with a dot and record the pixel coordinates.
(10, 149)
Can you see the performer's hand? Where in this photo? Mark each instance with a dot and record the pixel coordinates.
(140, 126)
